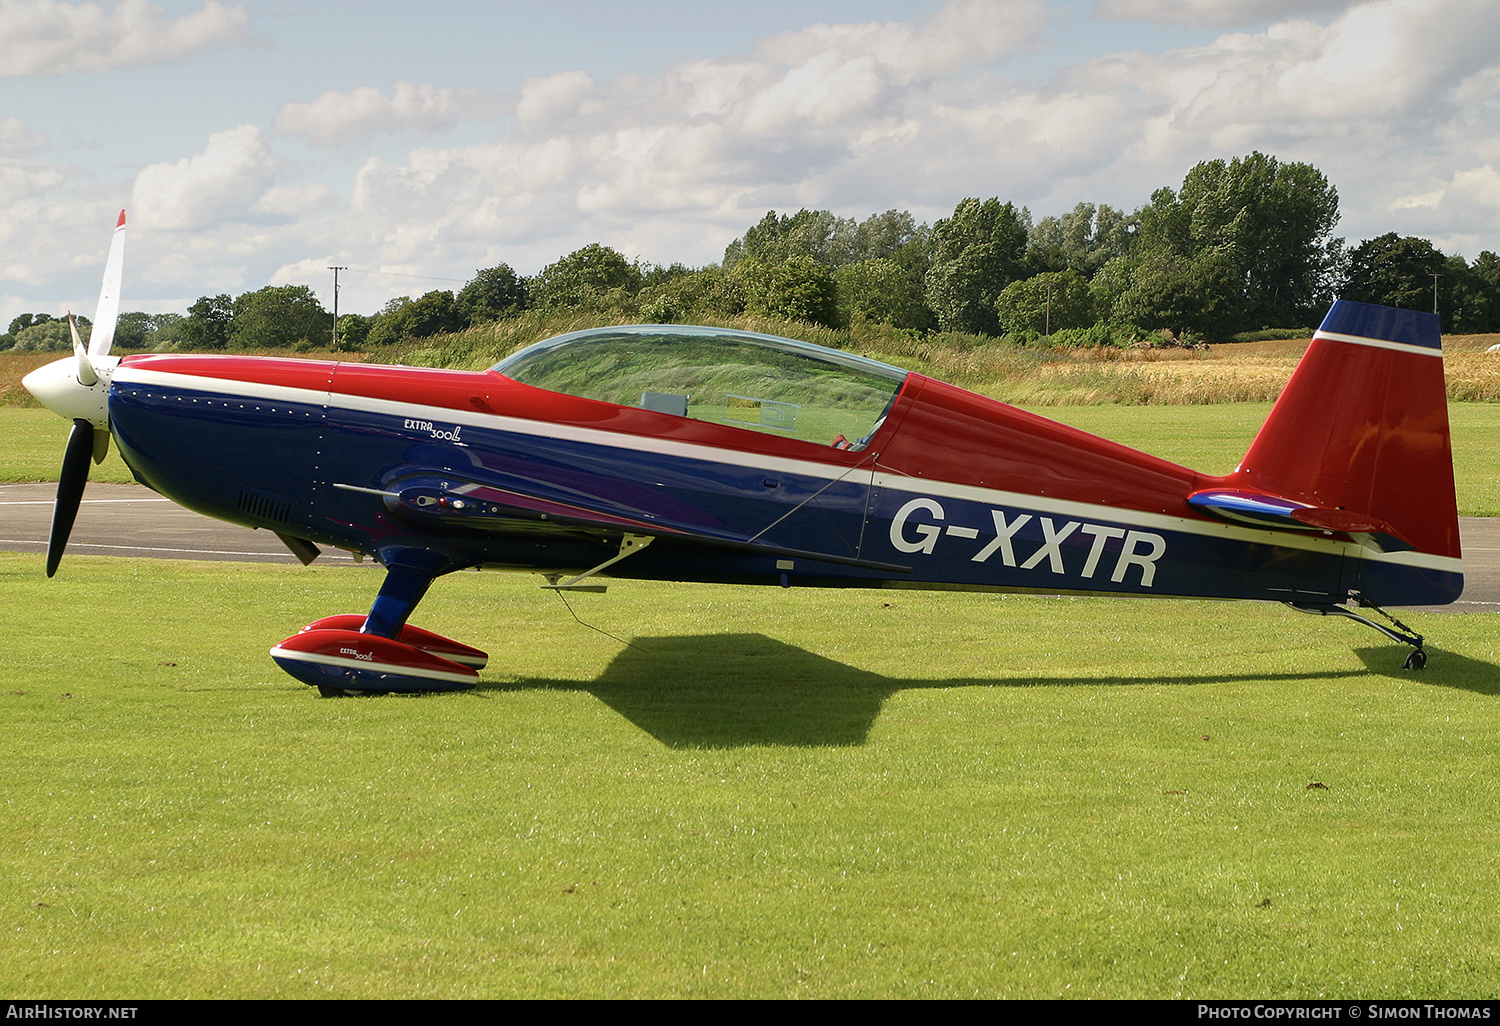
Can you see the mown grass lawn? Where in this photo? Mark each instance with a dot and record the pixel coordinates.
(772, 793)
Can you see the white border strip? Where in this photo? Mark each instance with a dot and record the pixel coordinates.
(1378, 343)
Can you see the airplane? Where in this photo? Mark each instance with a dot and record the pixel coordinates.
(678, 453)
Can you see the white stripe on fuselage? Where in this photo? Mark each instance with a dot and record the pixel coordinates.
(401, 411)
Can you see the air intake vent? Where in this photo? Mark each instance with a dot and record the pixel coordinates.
(263, 507)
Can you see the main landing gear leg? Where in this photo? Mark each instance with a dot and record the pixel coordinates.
(351, 654)
(1401, 633)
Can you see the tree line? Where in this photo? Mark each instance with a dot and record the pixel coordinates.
(1240, 246)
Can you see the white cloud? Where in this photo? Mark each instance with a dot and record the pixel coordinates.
(337, 118)
(222, 184)
(1215, 13)
(689, 154)
(963, 34)
(556, 96)
(24, 179)
(1380, 99)
(1396, 101)
(45, 37)
(286, 202)
(16, 138)
(1454, 207)
(48, 232)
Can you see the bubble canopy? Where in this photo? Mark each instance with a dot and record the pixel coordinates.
(737, 378)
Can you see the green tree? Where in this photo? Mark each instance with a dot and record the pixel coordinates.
(882, 290)
(389, 326)
(280, 316)
(167, 332)
(132, 328)
(825, 237)
(1271, 221)
(208, 323)
(1394, 270)
(433, 313)
(354, 329)
(1082, 240)
(585, 277)
(26, 320)
(1404, 271)
(1486, 273)
(1187, 296)
(492, 293)
(1046, 302)
(894, 234)
(777, 238)
(799, 289)
(19, 324)
(692, 295)
(974, 254)
(50, 336)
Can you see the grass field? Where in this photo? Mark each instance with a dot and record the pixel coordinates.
(773, 794)
(765, 793)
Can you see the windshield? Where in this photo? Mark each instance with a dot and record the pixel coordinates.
(760, 382)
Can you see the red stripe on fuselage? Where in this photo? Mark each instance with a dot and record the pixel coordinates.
(264, 370)
(954, 435)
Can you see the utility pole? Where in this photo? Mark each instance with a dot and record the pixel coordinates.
(1435, 277)
(335, 342)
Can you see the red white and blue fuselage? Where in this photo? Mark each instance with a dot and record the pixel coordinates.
(954, 488)
(1345, 496)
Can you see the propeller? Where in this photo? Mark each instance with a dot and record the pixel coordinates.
(70, 482)
(77, 387)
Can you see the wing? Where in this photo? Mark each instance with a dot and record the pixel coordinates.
(443, 502)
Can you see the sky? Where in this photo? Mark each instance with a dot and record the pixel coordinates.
(258, 143)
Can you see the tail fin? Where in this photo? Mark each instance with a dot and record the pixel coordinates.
(1360, 435)
(1358, 444)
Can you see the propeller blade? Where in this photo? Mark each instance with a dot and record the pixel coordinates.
(108, 311)
(86, 375)
(70, 482)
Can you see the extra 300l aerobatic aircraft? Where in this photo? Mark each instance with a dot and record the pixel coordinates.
(702, 454)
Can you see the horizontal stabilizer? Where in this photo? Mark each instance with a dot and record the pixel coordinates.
(1281, 514)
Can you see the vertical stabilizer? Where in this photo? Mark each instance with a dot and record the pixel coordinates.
(1362, 427)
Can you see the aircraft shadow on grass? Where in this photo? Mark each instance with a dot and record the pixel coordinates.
(1455, 671)
(737, 690)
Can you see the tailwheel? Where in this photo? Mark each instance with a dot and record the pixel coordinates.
(1399, 633)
